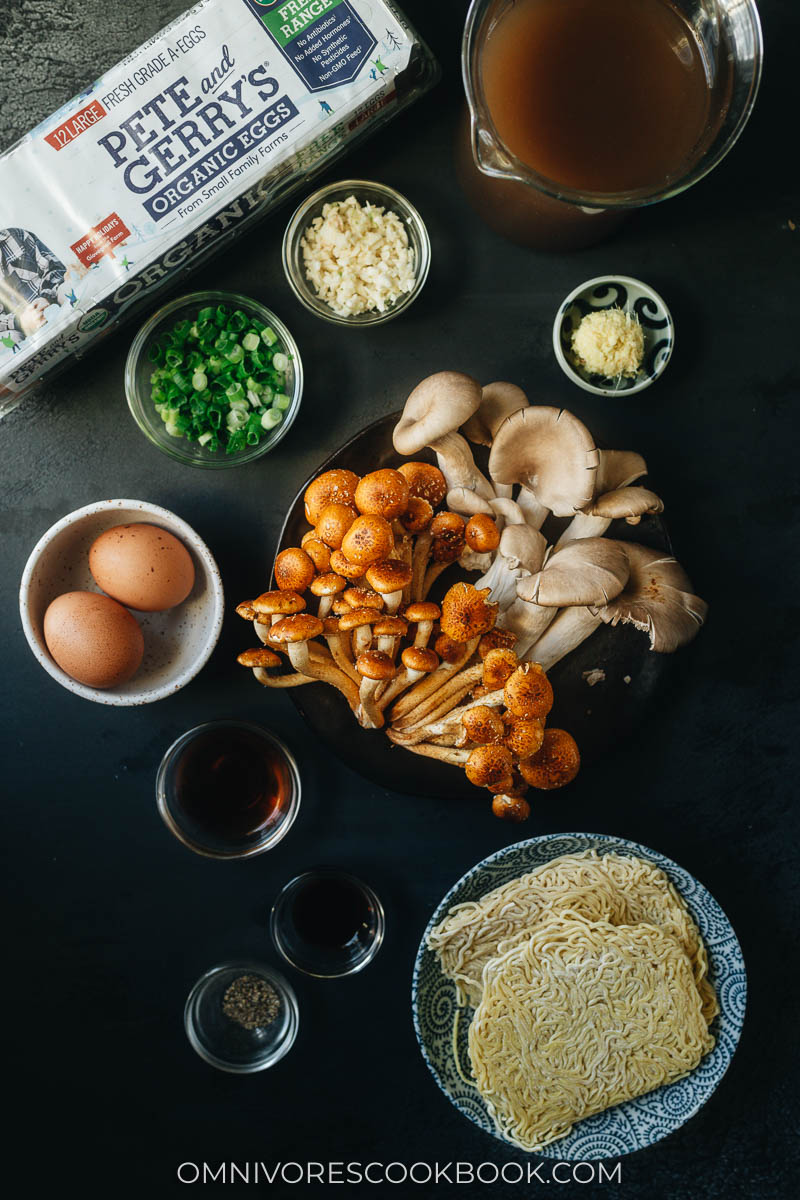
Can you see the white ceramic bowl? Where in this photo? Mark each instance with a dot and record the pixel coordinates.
(177, 643)
(631, 295)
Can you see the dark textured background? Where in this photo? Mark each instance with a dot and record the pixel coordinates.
(109, 921)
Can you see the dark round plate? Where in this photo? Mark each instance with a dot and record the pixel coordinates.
(598, 716)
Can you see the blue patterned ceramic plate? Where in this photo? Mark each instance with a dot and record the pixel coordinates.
(627, 1127)
(631, 295)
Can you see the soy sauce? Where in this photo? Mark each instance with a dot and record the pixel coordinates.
(230, 783)
(330, 912)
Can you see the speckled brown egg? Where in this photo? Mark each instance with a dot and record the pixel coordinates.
(142, 566)
(94, 639)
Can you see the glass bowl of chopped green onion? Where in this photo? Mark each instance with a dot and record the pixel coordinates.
(214, 379)
(380, 269)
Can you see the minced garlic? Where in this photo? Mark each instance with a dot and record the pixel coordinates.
(357, 257)
(609, 342)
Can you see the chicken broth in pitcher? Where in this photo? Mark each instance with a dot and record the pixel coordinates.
(603, 96)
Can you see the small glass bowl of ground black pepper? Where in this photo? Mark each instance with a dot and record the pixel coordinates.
(327, 923)
(228, 789)
(241, 1017)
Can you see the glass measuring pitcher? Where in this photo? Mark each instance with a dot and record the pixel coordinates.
(579, 110)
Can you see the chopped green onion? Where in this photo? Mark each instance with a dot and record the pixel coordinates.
(217, 380)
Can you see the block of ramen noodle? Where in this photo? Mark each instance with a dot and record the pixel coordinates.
(183, 144)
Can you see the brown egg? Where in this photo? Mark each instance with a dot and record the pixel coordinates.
(94, 639)
(142, 566)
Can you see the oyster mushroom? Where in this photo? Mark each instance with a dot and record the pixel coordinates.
(589, 571)
(616, 470)
(433, 412)
(628, 503)
(498, 401)
(551, 454)
(520, 553)
(657, 599)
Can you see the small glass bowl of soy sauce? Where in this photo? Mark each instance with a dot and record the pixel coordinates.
(327, 923)
(228, 789)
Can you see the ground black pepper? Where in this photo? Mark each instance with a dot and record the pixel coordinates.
(251, 1002)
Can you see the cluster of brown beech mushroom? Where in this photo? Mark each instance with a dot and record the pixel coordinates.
(465, 681)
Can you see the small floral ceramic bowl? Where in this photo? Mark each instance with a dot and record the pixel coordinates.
(632, 296)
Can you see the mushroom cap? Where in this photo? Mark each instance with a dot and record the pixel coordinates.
(488, 765)
(341, 606)
(425, 482)
(618, 469)
(329, 584)
(293, 570)
(246, 610)
(368, 540)
(390, 627)
(332, 487)
(333, 523)
(524, 736)
(261, 656)
(555, 764)
(419, 658)
(464, 500)
(496, 639)
(421, 610)
(317, 551)
(482, 533)
(417, 516)
(447, 529)
(528, 693)
(498, 667)
(330, 626)
(627, 502)
(467, 612)
(483, 726)
(587, 571)
(389, 575)
(550, 452)
(523, 546)
(274, 603)
(384, 493)
(448, 650)
(342, 566)
(299, 628)
(357, 617)
(656, 599)
(510, 808)
(357, 597)
(437, 406)
(374, 664)
(498, 401)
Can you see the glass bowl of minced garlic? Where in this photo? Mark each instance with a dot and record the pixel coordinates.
(613, 335)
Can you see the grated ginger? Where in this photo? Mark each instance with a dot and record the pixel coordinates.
(357, 257)
(609, 342)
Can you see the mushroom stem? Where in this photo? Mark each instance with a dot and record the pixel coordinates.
(280, 681)
(454, 456)
(324, 670)
(583, 525)
(338, 644)
(444, 697)
(431, 575)
(528, 621)
(448, 754)
(441, 719)
(372, 717)
(419, 563)
(534, 511)
(434, 681)
(571, 627)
